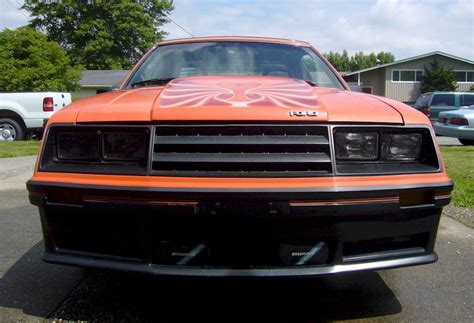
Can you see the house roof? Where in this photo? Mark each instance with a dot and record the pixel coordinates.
(102, 78)
(411, 59)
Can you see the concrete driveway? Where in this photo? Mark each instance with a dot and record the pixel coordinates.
(448, 141)
(31, 290)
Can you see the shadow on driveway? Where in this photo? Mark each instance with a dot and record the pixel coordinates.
(124, 297)
(35, 287)
(54, 291)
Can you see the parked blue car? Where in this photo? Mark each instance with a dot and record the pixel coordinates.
(433, 103)
(458, 124)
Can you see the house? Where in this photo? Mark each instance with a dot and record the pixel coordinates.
(98, 81)
(400, 80)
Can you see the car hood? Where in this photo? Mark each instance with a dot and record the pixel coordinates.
(236, 98)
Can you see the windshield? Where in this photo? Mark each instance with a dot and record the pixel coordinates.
(233, 58)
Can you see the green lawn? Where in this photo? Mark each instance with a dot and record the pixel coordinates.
(459, 163)
(19, 148)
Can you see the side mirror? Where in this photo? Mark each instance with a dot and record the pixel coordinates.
(112, 89)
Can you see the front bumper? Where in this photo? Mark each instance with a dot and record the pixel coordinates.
(239, 232)
(462, 132)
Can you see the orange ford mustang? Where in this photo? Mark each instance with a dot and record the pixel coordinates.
(238, 156)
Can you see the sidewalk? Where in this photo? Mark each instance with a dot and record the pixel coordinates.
(14, 172)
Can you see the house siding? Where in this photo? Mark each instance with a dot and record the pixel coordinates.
(374, 79)
(409, 92)
(85, 92)
(464, 87)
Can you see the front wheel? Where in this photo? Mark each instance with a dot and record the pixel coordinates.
(467, 142)
(10, 130)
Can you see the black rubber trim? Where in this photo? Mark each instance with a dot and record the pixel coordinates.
(389, 253)
(105, 263)
(353, 190)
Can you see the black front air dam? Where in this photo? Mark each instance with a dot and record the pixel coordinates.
(244, 234)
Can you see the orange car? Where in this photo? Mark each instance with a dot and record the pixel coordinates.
(239, 156)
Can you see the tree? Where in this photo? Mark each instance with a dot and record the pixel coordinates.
(438, 78)
(345, 61)
(101, 34)
(385, 58)
(471, 88)
(29, 62)
(342, 62)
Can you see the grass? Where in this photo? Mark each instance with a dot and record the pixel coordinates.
(459, 161)
(19, 148)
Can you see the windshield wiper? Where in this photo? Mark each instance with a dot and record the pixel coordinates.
(152, 82)
(310, 82)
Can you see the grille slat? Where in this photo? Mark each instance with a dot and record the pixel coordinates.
(241, 158)
(241, 151)
(242, 140)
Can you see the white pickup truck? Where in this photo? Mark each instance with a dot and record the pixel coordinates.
(25, 112)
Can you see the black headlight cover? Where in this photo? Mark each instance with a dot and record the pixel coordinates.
(96, 149)
(124, 146)
(81, 146)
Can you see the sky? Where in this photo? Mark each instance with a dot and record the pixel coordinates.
(404, 27)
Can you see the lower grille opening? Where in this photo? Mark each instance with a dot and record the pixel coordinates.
(99, 232)
(168, 238)
(241, 253)
(384, 248)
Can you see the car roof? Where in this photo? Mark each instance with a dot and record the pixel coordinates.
(452, 92)
(237, 38)
(446, 92)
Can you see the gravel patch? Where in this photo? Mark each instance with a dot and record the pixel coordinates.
(461, 214)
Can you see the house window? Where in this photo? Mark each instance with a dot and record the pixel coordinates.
(460, 76)
(467, 99)
(395, 75)
(419, 75)
(464, 76)
(470, 76)
(409, 76)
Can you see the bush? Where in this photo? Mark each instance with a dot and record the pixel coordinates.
(438, 78)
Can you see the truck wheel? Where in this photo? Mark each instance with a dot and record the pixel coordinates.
(466, 142)
(10, 130)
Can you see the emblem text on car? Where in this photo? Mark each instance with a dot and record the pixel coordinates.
(303, 113)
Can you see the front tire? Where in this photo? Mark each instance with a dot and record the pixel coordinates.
(466, 142)
(10, 130)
